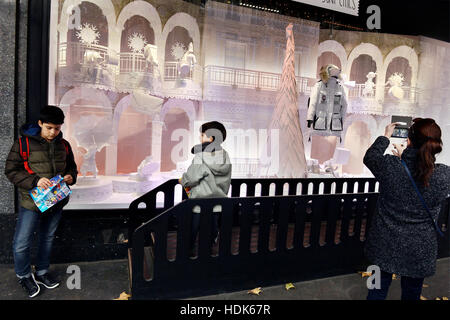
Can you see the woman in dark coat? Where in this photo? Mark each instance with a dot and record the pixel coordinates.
(402, 238)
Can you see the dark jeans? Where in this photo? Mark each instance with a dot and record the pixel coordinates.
(26, 225)
(411, 288)
(196, 224)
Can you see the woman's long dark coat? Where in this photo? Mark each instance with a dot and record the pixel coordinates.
(402, 238)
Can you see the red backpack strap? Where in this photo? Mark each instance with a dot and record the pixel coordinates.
(24, 151)
(66, 145)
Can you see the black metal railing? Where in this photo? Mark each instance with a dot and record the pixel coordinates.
(309, 228)
(295, 237)
(146, 207)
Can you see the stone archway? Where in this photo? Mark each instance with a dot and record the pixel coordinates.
(143, 9)
(369, 120)
(185, 21)
(184, 119)
(374, 52)
(335, 48)
(404, 52)
(107, 9)
(87, 94)
(362, 130)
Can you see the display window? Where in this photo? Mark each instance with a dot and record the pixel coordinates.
(136, 79)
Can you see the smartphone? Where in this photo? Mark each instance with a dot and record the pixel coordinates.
(401, 130)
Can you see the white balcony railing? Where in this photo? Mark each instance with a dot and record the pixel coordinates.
(132, 62)
(359, 92)
(410, 94)
(87, 56)
(249, 79)
(73, 53)
(172, 72)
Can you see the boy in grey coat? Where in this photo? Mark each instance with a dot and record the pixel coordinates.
(209, 175)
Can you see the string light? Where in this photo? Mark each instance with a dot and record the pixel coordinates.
(258, 7)
(343, 25)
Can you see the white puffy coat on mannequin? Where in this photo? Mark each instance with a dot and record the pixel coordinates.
(327, 107)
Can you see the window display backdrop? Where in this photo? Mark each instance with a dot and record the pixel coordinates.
(136, 79)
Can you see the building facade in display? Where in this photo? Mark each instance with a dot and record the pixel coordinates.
(154, 70)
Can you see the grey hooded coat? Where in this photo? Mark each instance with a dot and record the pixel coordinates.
(208, 176)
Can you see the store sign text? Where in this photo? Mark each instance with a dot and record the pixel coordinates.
(344, 6)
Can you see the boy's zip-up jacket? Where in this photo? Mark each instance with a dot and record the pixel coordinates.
(46, 159)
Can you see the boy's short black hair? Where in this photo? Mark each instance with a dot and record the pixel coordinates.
(51, 114)
(214, 129)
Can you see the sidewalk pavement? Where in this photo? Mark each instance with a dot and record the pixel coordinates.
(106, 280)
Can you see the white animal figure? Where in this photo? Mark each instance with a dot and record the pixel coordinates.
(150, 59)
(369, 86)
(187, 62)
(89, 164)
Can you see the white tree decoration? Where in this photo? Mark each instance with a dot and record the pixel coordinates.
(137, 42)
(88, 34)
(178, 50)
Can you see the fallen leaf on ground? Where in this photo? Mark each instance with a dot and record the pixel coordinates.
(255, 291)
(289, 286)
(123, 296)
(425, 285)
(423, 298)
(365, 274)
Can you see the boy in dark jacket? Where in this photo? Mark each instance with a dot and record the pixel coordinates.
(49, 155)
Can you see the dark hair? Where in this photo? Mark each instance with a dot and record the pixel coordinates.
(51, 114)
(425, 136)
(214, 129)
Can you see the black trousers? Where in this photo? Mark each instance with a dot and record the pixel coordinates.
(196, 224)
(411, 288)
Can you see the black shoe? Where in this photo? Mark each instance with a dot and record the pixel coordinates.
(47, 281)
(30, 286)
(215, 239)
(192, 254)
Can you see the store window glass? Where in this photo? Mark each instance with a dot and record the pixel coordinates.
(136, 79)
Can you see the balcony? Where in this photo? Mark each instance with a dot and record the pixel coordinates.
(100, 67)
(103, 68)
(135, 72)
(369, 102)
(246, 85)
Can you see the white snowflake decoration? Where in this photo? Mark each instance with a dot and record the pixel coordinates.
(88, 34)
(178, 50)
(137, 42)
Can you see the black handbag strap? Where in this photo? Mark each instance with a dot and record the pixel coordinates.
(422, 200)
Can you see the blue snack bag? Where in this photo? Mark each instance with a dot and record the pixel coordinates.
(47, 198)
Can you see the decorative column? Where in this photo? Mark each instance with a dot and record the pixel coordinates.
(157, 126)
(111, 159)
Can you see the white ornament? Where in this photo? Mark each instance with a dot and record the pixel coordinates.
(178, 50)
(137, 42)
(88, 34)
(396, 83)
